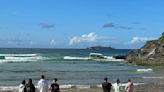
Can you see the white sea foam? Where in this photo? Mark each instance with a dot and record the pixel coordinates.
(66, 86)
(28, 55)
(135, 84)
(83, 86)
(3, 88)
(20, 57)
(108, 58)
(75, 58)
(153, 77)
(145, 70)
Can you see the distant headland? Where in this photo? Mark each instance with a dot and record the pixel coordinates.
(99, 47)
(152, 53)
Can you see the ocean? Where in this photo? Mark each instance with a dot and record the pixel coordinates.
(19, 64)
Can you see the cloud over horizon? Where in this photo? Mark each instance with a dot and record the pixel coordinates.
(91, 37)
(46, 25)
(135, 40)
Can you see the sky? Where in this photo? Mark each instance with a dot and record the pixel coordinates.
(122, 24)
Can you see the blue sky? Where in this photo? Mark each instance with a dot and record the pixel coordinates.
(79, 23)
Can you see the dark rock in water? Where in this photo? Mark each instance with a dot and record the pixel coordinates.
(2, 57)
(99, 47)
(152, 53)
(120, 57)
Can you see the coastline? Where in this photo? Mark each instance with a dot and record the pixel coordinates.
(139, 88)
(152, 75)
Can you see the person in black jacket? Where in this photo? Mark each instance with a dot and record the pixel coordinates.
(30, 86)
(106, 85)
(55, 86)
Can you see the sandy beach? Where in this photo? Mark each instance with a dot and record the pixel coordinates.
(154, 87)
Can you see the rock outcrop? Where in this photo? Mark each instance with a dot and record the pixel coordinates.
(152, 53)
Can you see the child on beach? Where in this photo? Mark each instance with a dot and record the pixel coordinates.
(117, 86)
(22, 87)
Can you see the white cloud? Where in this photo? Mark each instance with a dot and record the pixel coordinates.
(33, 43)
(91, 37)
(140, 39)
(52, 42)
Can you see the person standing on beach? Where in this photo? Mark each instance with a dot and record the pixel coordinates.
(42, 85)
(54, 86)
(30, 86)
(106, 85)
(117, 86)
(22, 87)
(129, 86)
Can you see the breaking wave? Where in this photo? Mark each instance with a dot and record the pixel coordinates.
(75, 58)
(107, 58)
(145, 70)
(20, 57)
(153, 77)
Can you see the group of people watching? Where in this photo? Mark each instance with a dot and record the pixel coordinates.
(54, 87)
(107, 86)
(42, 86)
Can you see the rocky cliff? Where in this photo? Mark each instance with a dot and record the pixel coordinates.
(152, 53)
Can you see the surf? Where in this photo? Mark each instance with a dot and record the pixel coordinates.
(108, 58)
(75, 58)
(145, 70)
(20, 57)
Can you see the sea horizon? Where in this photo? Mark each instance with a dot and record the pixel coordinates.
(58, 48)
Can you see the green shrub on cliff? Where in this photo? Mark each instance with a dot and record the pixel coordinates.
(161, 39)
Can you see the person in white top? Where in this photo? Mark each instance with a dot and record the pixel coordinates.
(117, 86)
(22, 87)
(42, 85)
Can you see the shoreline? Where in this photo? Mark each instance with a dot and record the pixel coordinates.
(152, 87)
